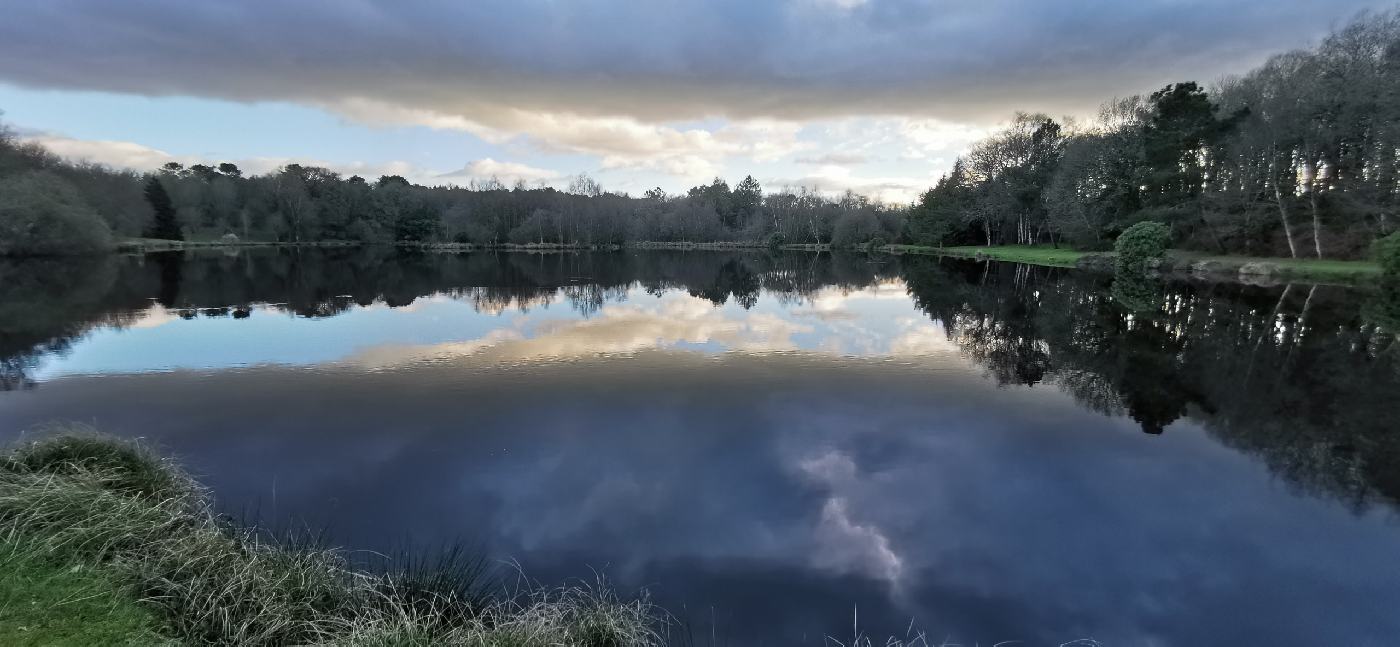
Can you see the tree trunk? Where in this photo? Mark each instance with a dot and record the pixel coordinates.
(1316, 221)
(1282, 210)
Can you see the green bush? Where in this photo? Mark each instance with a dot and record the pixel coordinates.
(1139, 244)
(776, 241)
(43, 215)
(1386, 251)
(874, 244)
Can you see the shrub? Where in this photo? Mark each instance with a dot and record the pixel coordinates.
(874, 244)
(1140, 244)
(43, 215)
(776, 241)
(1386, 251)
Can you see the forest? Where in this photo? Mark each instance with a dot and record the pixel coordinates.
(1299, 158)
(84, 207)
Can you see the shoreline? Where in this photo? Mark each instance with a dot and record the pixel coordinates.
(1178, 263)
(123, 537)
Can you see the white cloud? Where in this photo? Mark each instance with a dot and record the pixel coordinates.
(507, 172)
(932, 137)
(842, 543)
(834, 180)
(618, 329)
(141, 158)
(619, 142)
(124, 155)
(835, 158)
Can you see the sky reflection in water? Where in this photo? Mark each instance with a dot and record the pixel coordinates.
(874, 321)
(766, 469)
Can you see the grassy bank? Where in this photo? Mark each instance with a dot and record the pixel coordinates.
(44, 601)
(1177, 261)
(104, 542)
(142, 245)
(1034, 255)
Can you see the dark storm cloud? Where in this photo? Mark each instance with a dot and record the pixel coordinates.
(656, 61)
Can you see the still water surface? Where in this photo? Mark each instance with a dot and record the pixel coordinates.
(768, 443)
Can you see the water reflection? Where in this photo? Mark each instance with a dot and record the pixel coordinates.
(769, 441)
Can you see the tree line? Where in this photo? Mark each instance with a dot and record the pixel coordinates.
(1300, 158)
(49, 205)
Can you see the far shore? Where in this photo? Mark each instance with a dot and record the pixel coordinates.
(1262, 270)
(1247, 269)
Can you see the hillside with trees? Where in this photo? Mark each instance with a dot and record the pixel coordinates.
(1298, 158)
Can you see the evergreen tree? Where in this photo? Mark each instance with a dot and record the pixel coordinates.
(166, 226)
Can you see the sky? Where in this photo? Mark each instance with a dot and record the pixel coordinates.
(876, 96)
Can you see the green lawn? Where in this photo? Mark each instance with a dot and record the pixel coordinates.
(1295, 268)
(44, 603)
(1323, 268)
(1034, 255)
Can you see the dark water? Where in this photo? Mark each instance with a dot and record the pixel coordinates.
(768, 444)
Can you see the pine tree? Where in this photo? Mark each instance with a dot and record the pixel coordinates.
(165, 226)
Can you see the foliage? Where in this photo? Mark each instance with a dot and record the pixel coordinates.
(775, 241)
(1140, 244)
(300, 203)
(166, 225)
(41, 214)
(1288, 160)
(1386, 251)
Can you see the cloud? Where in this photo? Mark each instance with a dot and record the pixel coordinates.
(507, 172)
(833, 180)
(688, 88)
(141, 158)
(124, 155)
(491, 62)
(621, 142)
(835, 159)
(618, 329)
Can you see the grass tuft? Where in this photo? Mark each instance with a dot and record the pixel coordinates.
(147, 535)
(131, 467)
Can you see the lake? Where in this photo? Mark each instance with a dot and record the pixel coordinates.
(774, 446)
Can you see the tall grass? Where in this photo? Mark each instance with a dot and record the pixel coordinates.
(76, 497)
